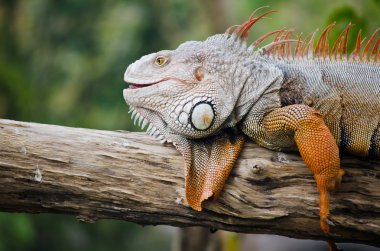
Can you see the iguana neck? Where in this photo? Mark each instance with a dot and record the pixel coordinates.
(263, 79)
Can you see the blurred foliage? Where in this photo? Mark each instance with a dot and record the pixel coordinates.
(62, 62)
(53, 232)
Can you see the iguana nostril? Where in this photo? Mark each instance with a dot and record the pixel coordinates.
(202, 116)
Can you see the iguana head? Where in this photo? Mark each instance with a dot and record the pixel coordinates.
(194, 96)
(190, 91)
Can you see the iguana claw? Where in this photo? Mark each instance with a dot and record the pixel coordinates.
(328, 221)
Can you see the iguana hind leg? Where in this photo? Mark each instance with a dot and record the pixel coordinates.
(316, 145)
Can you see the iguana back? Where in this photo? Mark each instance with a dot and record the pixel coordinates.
(347, 94)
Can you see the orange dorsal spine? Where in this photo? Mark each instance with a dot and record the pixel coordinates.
(281, 46)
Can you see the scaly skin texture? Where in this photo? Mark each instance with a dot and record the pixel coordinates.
(207, 97)
(313, 139)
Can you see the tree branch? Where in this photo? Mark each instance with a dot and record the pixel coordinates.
(95, 174)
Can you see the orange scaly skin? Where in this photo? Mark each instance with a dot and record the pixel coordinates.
(316, 145)
(219, 154)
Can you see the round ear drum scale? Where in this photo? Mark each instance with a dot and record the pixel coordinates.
(202, 116)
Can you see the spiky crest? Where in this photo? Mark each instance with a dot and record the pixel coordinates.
(281, 46)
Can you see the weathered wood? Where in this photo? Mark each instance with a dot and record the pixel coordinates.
(95, 174)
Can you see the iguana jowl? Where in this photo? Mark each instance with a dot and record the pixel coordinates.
(206, 97)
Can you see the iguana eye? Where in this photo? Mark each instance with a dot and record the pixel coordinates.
(160, 60)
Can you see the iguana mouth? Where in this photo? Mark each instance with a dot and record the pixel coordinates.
(132, 85)
(136, 86)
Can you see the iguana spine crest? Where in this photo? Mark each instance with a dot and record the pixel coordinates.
(281, 47)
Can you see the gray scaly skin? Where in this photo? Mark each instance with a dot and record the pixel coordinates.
(208, 96)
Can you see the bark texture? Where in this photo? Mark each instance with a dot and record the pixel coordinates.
(95, 174)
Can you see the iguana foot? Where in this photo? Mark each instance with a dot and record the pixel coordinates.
(325, 223)
(327, 182)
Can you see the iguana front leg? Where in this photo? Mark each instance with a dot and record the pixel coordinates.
(316, 145)
(209, 162)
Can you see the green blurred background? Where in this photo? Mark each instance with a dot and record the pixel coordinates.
(62, 62)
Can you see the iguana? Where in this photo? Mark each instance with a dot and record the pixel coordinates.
(207, 97)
